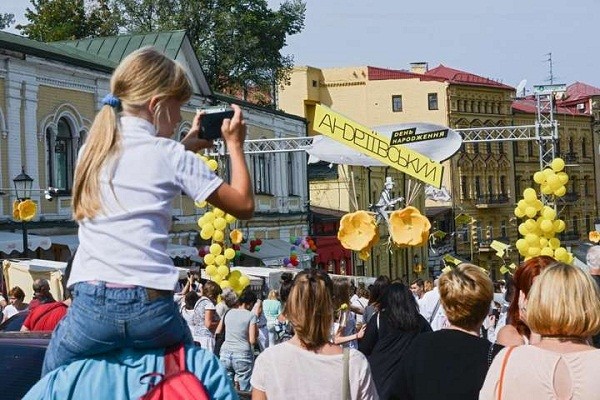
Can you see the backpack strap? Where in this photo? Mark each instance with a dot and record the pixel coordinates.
(175, 359)
(502, 371)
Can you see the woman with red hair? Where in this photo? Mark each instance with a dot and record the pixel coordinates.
(516, 332)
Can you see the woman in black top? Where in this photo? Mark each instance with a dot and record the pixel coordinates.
(389, 333)
(451, 363)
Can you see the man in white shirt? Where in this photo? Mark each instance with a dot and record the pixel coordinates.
(431, 308)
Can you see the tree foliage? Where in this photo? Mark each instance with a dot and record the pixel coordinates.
(6, 20)
(52, 20)
(238, 42)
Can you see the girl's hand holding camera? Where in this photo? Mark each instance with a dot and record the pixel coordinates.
(233, 132)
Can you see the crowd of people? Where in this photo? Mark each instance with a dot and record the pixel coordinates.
(460, 336)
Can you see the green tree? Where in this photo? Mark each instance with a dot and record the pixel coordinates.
(52, 20)
(238, 43)
(6, 20)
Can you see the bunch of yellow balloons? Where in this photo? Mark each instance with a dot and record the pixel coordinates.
(540, 226)
(213, 225)
(552, 180)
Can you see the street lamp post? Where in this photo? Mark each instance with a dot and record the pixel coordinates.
(23, 184)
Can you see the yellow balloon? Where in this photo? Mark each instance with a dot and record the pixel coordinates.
(560, 253)
(560, 192)
(200, 204)
(546, 189)
(223, 270)
(201, 221)
(547, 251)
(522, 204)
(230, 218)
(564, 178)
(211, 270)
(530, 212)
(558, 164)
(209, 259)
(559, 225)
(554, 243)
(207, 233)
(539, 177)
(218, 212)
(534, 251)
(218, 236)
(521, 244)
(225, 284)
(543, 242)
(209, 228)
(529, 194)
(220, 223)
(212, 165)
(547, 172)
(244, 281)
(519, 212)
(209, 216)
(554, 181)
(532, 239)
(523, 229)
(531, 225)
(546, 226)
(549, 213)
(216, 278)
(229, 254)
(220, 260)
(215, 249)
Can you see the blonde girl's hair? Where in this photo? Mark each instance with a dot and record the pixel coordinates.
(564, 301)
(142, 75)
(272, 295)
(309, 308)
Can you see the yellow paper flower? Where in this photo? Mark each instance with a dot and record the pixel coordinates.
(594, 236)
(27, 210)
(358, 231)
(364, 255)
(344, 306)
(16, 213)
(408, 227)
(236, 236)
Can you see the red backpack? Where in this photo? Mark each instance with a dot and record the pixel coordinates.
(177, 382)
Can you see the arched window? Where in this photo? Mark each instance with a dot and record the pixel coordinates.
(61, 155)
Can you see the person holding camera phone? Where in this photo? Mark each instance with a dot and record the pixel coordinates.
(128, 173)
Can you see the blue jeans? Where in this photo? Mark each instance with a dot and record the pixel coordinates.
(238, 365)
(102, 319)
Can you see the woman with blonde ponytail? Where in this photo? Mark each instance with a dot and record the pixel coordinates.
(127, 176)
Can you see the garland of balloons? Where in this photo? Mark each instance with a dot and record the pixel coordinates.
(306, 244)
(540, 225)
(217, 257)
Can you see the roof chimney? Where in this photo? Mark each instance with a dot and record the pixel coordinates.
(419, 67)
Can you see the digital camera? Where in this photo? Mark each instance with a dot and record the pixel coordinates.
(210, 125)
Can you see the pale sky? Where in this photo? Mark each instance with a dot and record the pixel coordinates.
(505, 40)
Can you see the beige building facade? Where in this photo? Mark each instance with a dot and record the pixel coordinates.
(485, 180)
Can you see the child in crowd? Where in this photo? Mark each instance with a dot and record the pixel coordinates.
(127, 176)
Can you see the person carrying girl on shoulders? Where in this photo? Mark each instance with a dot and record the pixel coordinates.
(128, 174)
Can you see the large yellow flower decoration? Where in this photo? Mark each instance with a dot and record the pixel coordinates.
(594, 236)
(408, 227)
(236, 236)
(27, 210)
(358, 231)
(16, 214)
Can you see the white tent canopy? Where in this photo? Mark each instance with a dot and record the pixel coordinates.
(10, 242)
(174, 250)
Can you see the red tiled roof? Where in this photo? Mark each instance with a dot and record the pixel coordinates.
(580, 91)
(462, 77)
(528, 105)
(382, 74)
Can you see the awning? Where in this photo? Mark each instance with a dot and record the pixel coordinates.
(273, 251)
(10, 242)
(174, 250)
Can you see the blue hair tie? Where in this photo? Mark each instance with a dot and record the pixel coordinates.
(111, 100)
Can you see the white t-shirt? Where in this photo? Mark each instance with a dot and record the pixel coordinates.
(127, 244)
(313, 376)
(428, 305)
(9, 311)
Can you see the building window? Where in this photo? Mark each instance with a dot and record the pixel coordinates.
(476, 148)
(586, 188)
(503, 185)
(530, 148)
(314, 83)
(517, 185)
(583, 148)
(432, 101)
(488, 147)
(261, 174)
(61, 156)
(397, 103)
(290, 174)
(516, 149)
(575, 225)
(477, 187)
(464, 187)
(588, 223)
(503, 232)
(500, 148)
(490, 183)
